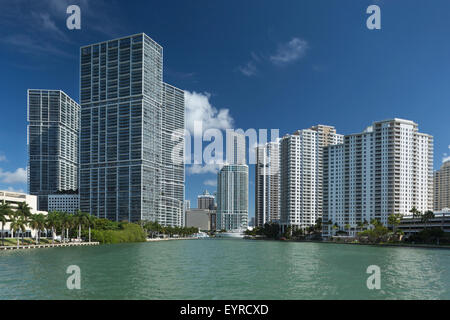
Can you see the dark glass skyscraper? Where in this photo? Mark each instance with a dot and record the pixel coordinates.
(122, 141)
(53, 127)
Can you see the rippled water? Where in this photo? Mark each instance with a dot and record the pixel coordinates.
(225, 269)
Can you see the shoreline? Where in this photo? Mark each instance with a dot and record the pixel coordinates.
(168, 239)
(55, 245)
(397, 245)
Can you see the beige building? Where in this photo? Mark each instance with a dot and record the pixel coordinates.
(203, 219)
(387, 169)
(301, 174)
(442, 187)
(14, 198)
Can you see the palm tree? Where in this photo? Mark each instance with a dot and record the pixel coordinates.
(394, 220)
(37, 222)
(82, 219)
(360, 225)
(5, 212)
(67, 222)
(90, 222)
(348, 227)
(41, 225)
(427, 217)
(24, 210)
(415, 213)
(18, 223)
(52, 222)
(34, 224)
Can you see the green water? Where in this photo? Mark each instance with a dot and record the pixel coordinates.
(225, 269)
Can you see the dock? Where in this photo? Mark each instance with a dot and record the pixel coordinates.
(55, 245)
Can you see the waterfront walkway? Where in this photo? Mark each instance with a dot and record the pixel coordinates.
(167, 239)
(55, 245)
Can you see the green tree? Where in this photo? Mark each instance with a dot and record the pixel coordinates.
(34, 224)
(348, 227)
(82, 220)
(5, 213)
(90, 222)
(53, 221)
(426, 217)
(415, 213)
(23, 210)
(394, 220)
(18, 222)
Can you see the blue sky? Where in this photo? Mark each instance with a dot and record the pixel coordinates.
(248, 64)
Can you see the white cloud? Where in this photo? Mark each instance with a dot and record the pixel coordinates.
(207, 168)
(446, 156)
(249, 69)
(290, 51)
(211, 182)
(15, 190)
(18, 176)
(199, 108)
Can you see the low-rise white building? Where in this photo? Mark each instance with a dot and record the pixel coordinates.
(14, 198)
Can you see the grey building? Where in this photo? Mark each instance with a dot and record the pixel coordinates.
(442, 187)
(53, 128)
(172, 197)
(206, 201)
(232, 198)
(267, 184)
(123, 147)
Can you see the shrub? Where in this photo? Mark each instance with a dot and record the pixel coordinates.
(125, 232)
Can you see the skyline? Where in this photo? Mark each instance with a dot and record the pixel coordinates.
(292, 63)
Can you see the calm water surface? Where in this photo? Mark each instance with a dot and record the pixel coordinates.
(225, 269)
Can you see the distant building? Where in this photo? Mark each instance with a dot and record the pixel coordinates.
(232, 198)
(252, 222)
(236, 152)
(69, 203)
(206, 201)
(201, 218)
(53, 128)
(442, 187)
(387, 169)
(267, 184)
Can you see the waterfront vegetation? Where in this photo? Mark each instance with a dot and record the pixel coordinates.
(62, 227)
(373, 232)
(154, 229)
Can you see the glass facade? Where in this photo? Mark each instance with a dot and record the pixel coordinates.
(121, 138)
(53, 128)
(232, 198)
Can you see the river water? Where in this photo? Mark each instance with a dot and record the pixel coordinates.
(225, 269)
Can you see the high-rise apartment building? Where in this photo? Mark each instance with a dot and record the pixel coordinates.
(387, 169)
(53, 128)
(442, 187)
(267, 184)
(206, 201)
(235, 148)
(172, 197)
(124, 174)
(301, 174)
(232, 186)
(232, 197)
